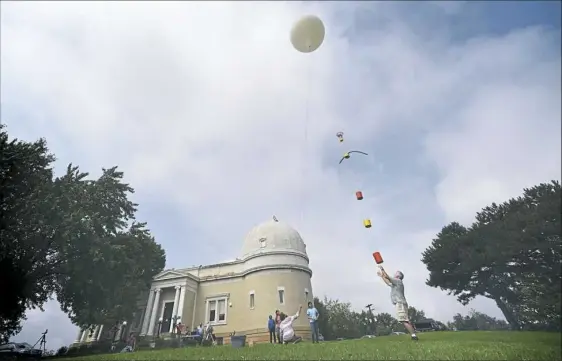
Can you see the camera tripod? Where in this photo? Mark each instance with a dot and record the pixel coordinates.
(42, 341)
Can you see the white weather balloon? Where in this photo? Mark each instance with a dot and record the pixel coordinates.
(308, 34)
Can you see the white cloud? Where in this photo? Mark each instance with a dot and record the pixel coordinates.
(203, 107)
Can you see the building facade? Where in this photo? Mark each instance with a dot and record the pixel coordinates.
(238, 296)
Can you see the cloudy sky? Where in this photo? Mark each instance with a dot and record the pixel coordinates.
(204, 106)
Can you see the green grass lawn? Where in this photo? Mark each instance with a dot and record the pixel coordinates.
(481, 345)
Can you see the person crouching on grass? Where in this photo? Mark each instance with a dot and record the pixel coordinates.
(398, 299)
(286, 328)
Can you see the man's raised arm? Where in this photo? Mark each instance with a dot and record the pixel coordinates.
(385, 279)
(298, 312)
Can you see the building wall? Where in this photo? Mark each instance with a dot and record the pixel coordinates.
(275, 257)
(264, 285)
(188, 305)
(210, 272)
(210, 289)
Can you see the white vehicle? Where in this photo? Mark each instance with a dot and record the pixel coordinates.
(19, 348)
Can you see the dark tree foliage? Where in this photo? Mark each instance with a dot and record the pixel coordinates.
(25, 174)
(475, 321)
(511, 254)
(70, 237)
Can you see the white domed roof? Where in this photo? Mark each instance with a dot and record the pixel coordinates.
(272, 235)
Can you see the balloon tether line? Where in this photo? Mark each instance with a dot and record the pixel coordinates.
(305, 147)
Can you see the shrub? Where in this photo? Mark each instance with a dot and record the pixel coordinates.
(62, 351)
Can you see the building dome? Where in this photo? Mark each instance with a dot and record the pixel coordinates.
(270, 236)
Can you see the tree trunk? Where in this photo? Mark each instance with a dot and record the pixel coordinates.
(508, 314)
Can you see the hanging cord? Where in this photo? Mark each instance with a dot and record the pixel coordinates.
(305, 145)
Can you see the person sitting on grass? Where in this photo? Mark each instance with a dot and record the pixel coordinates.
(286, 327)
(398, 299)
(131, 343)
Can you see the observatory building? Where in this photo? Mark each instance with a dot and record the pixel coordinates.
(271, 273)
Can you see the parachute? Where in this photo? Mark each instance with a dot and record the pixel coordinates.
(340, 136)
(347, 155)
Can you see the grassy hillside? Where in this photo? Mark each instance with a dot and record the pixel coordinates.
(482, 345)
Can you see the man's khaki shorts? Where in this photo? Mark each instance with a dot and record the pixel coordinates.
(402, 312)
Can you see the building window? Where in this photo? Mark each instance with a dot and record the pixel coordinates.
(306, 295)
(216, 310)
(252, 300)
(263, 242)
(281, 292)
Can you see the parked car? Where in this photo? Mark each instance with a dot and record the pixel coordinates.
(426, 325)
(19, 349)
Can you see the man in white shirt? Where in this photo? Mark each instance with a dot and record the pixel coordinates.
(286, 328)
(398, 299)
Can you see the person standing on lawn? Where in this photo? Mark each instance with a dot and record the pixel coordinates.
(272, 331)
(277, 323)
(312, 314)
(398, 299)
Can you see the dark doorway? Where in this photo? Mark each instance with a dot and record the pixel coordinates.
(167, 317)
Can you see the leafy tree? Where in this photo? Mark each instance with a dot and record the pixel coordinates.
(70, 236)
(24, 178)
(476, 321)
(367, 323)
(386, 324)
(415, 315)
(62, 351)
(337, 319)
(511, 254)
(323, 320)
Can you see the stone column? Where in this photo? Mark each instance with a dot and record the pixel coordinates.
(95, 334)
(154, 314)
(147, 314)
(100, 332)
(180, 304)
(79, 336)
(175, 307)
(84, 335)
